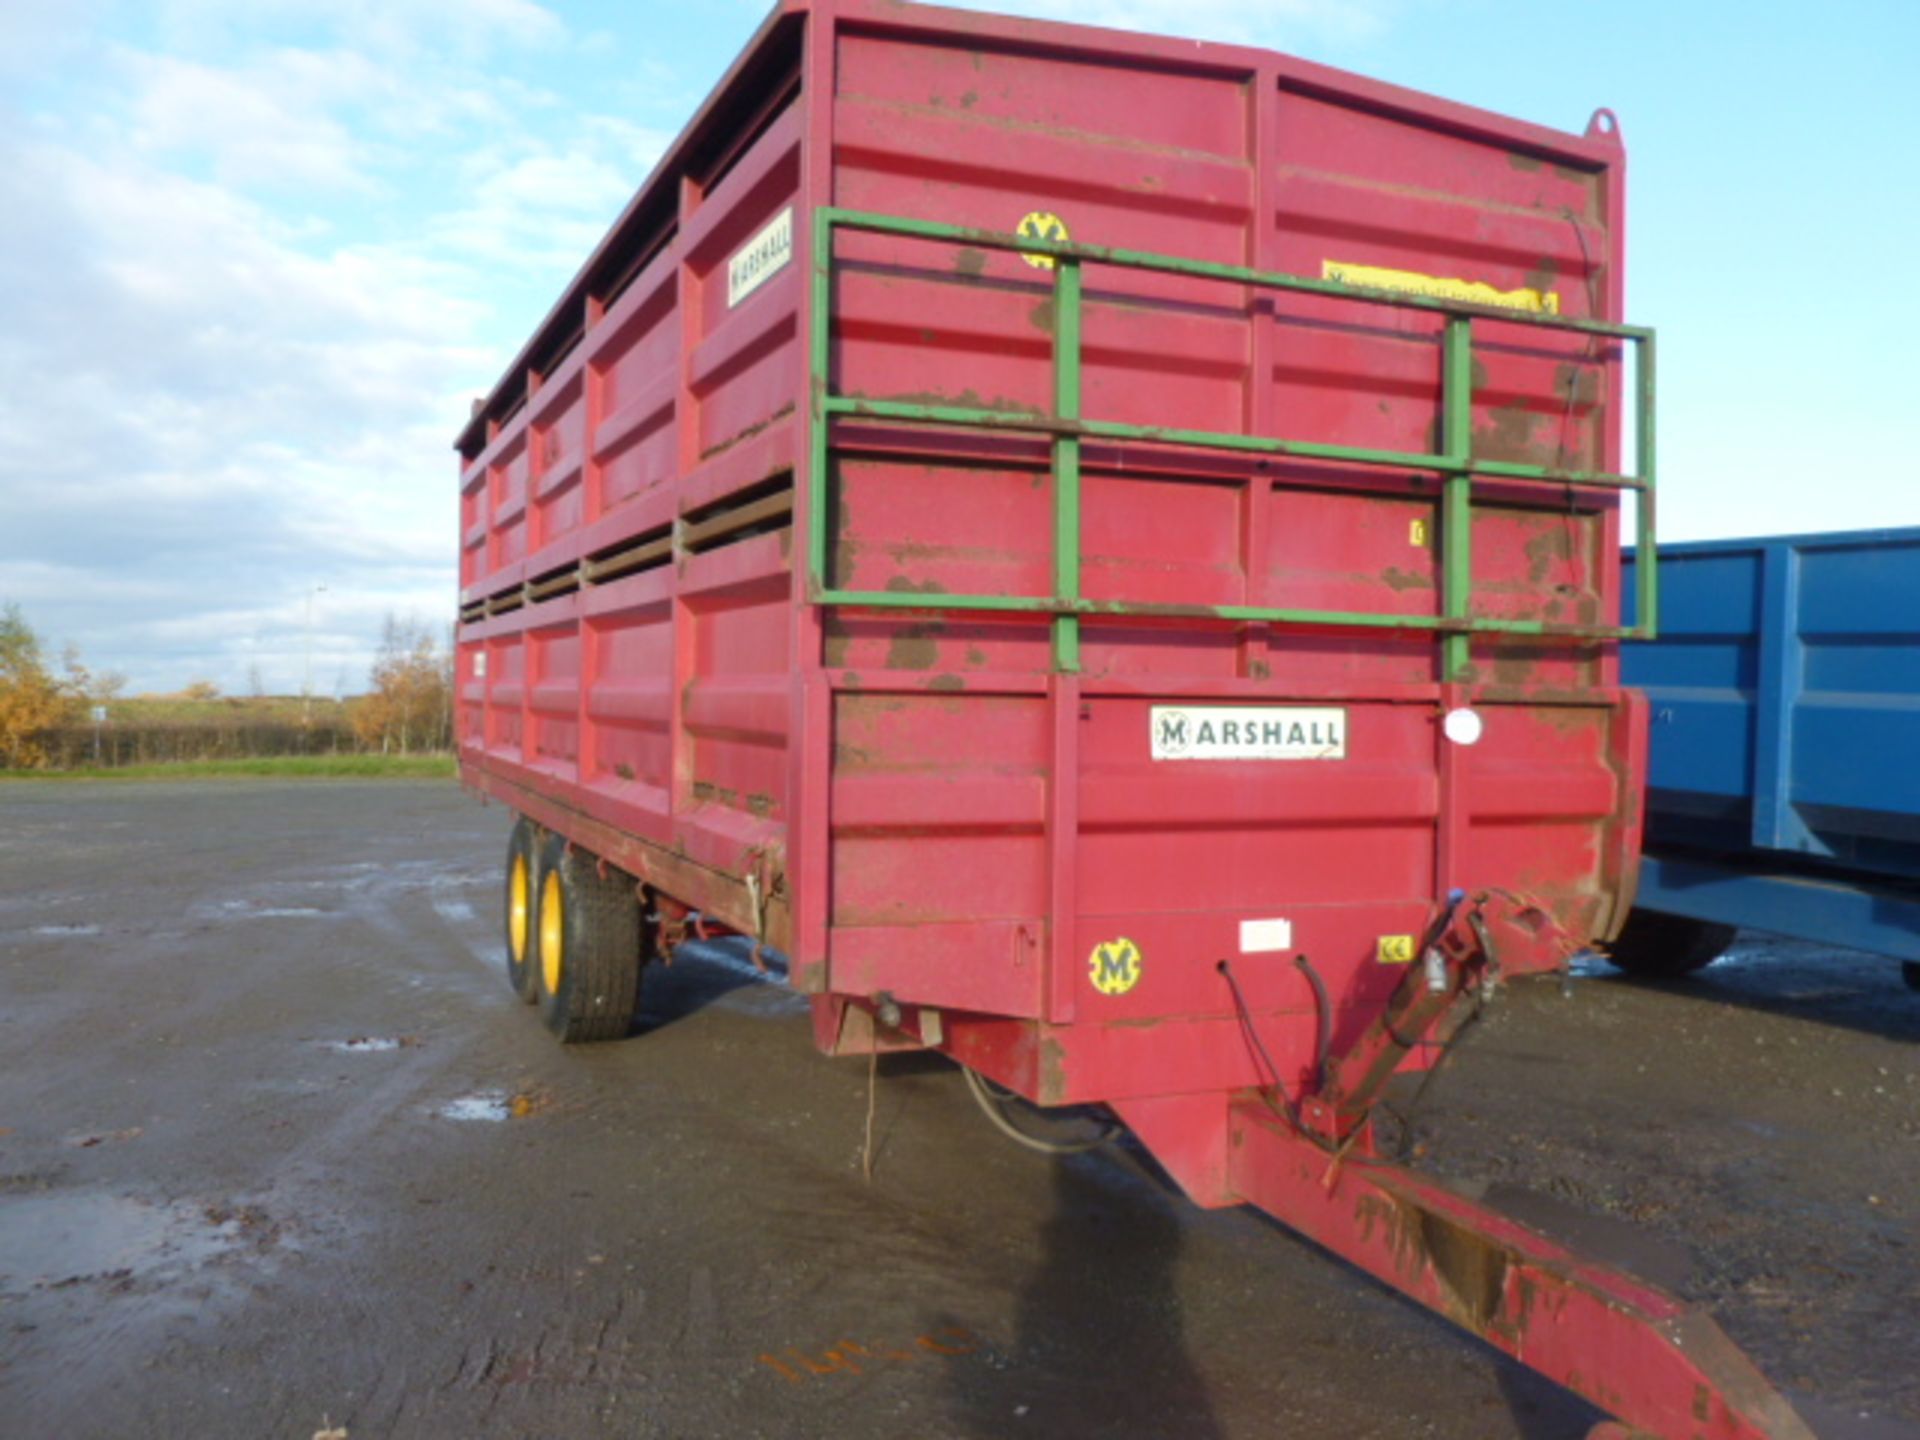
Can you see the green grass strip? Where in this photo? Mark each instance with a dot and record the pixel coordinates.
(296, 767)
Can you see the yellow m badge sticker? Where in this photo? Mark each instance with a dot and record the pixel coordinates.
(1042, 225)
(1115, 966)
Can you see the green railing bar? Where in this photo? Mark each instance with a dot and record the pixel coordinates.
(1646, 565)
(1068, 430)
(1066, 461)
(1124, 609)
(1206, 269)
(820, 383)
(1033, 422)
(1456, 497)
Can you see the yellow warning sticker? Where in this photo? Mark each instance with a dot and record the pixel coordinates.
(1115, 966)
(1396, 950)
(1042, 225)
(1436, 287)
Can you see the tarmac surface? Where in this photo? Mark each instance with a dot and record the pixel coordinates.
(281, 1154)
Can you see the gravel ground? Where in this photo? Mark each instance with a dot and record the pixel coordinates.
(279, 1153)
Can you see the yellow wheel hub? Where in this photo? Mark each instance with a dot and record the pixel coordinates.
(552, 932)
(519, 903)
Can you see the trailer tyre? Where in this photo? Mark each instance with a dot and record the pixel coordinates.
(522, 889)
(587, 966)
(1656, 946)
(1910, 972)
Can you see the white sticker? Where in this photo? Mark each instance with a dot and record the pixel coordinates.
(1248, 732)
(1259, 936)
(761, 258)
(479, 664)
(1463, 726)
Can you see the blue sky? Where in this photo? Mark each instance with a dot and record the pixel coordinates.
(258, 255)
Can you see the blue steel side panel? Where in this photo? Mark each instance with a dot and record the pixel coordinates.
(1828, 912)
(1785, 694)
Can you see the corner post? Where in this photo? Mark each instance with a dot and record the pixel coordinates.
(819, 379)
(1456, 496)
(1066, 462)
(1646, 565)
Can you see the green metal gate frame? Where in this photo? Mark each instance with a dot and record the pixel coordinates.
(1456, 623)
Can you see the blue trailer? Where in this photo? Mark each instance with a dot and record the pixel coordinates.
(1784, 785)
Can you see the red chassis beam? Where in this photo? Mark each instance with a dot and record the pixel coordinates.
(1654, 1362)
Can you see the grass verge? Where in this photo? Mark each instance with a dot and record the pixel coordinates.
(313, 767)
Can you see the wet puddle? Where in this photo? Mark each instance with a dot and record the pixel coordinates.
(372, 1044)
(70, 930)
(491, 1105)
(60, 1238)
(495, 1105)
(247, 910)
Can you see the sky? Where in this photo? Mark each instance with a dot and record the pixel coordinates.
(258, 256)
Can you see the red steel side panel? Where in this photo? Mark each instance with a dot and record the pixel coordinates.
(962, 877)
(626, 654)
(947, 818)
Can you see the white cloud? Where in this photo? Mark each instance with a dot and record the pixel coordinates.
(220, 388)
(268, 124)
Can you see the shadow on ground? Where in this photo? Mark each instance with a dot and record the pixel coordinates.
(1098, 1345)
(1820, 984)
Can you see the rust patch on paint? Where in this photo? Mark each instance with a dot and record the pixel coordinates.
(970, 263)
(1053, 1072)
(1579, 383)
(915, 644)
(705, 791)
(946, 682)
(1394, 578)
(901, 585)
(833, 648)
(1513, 668)
(1550, 546)
(1510, 436)
(914, 647)
(1572, 719)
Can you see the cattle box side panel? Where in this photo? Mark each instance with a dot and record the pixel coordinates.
(999, 819)
(964, 809)
(1785, 693)
(626, 648)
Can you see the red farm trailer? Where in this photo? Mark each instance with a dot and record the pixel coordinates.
(1104, 551)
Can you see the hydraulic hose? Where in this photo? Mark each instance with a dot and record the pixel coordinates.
(992, 1100)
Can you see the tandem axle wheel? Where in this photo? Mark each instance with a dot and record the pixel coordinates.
(575, 939)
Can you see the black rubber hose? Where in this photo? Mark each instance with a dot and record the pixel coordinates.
(1323, 1034)
(991, 1106)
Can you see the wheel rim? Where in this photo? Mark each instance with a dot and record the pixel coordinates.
(519, 893)
(552, 932)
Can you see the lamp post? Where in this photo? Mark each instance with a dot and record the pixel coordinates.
(306, 673)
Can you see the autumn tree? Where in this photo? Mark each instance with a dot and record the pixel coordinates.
(410, 705)
(87, 686)
(33, 699)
